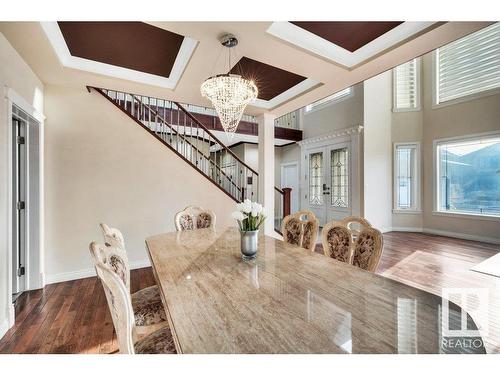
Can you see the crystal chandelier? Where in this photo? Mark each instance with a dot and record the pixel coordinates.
(229, 93)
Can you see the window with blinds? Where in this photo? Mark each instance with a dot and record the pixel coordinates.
(338, 96)
(468, 66)
(406, 79)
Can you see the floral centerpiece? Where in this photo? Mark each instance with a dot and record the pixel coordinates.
(250, 217)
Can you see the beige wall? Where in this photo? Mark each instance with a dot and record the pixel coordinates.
(100, 166)
(17, 75)
(377, 156)
(470, 117)
(464, 118)
(344, 114)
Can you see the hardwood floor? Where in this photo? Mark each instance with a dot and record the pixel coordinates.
(73, 317)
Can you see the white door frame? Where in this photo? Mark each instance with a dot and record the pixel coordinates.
(289, 164)
(35, 267)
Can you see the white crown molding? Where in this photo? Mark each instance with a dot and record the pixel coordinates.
(353, 130)
(60, 47)
(291, 93)
(313, 43)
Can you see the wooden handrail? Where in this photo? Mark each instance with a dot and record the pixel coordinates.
(101, 92)
(212, 135)
(184, 137)
(199, 125)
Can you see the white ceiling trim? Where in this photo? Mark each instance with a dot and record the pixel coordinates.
(291, 93)
(322, 47)
(61, 49)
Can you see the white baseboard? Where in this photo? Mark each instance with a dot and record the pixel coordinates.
(407, 229)
(8, 322)
(12, 315)
(89, 272)
(463, 236)
(4, 327)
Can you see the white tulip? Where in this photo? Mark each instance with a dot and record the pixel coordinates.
(247, 206)
(257, 207)
(238, 215)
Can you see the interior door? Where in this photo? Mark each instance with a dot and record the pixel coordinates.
(19, 234)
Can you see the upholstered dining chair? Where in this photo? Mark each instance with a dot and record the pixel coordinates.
(146, 303)
(193, 217)
(122, 313)
(337, 242)
(301, 229)
(367, 249)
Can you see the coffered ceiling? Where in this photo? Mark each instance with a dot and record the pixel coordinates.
(131, 45)
(348, 35)
(270, 81)
(293, 63)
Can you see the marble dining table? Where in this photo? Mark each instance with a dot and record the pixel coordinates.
(288, 300)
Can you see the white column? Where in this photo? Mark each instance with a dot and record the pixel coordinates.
(266, 168)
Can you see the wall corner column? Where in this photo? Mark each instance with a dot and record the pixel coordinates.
(265, 123)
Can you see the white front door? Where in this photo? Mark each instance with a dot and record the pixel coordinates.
(290, 179)
(328, 170)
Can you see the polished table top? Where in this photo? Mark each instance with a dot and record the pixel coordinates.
(288, 300)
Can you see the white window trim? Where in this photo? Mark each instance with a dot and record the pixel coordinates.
(435, 88)
(330, 102)
(435, 191)
(418, 87)
(416, 209)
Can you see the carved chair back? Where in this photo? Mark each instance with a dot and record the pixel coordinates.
(114, 253)
(367, 249)
(117, 296)
(355, 224)
(301, 229)
(193, 217)
(337, 242)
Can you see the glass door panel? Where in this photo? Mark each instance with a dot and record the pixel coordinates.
(316, 174)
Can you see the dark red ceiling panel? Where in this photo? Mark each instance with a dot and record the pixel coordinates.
(270, 81)
(132, 45)
(348, 35)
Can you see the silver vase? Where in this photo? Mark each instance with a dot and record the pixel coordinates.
(249, 244)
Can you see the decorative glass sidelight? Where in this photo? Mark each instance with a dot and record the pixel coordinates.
(315, 178)
(340, 177)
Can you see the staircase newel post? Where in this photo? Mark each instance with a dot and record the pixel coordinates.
(287, 195)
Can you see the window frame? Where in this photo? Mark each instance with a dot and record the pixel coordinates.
(418, 86)
(317, 107)
(416, 208)
(435, 175)
(435, 87)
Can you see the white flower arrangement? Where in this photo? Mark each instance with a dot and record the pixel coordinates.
(249, 215)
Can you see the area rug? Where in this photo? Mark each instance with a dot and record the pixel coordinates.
(490, 266)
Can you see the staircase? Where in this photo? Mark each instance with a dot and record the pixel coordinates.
(177, 128)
